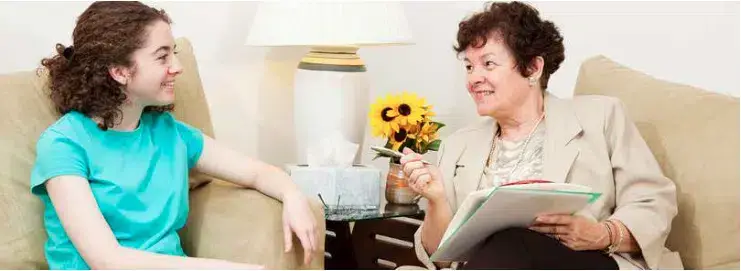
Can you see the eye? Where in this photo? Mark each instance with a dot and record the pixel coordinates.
(469, 68)
(490, 64)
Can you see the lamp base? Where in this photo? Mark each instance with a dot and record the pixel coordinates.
(330, 94)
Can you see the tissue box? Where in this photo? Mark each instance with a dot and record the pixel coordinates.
(355, 187)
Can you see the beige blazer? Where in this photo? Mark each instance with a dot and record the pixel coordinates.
(589, 141)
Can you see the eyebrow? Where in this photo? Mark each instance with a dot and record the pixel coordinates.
(481, 57)
(166, 48)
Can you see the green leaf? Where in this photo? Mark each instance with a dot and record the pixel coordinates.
(435, 145)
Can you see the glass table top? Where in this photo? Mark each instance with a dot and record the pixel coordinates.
(386, 210)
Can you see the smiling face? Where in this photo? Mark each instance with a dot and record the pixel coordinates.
(494, 82)
(155, 68)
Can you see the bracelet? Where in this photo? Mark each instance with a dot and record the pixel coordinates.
(617, 244)
(608, 249)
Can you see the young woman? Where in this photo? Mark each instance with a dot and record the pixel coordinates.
(113, 170)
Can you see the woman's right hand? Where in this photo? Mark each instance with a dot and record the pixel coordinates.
(423, 179)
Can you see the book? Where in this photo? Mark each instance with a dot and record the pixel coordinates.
(488, 211)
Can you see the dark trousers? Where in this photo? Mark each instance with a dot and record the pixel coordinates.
(518, 248)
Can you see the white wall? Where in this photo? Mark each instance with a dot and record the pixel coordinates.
(249, 89)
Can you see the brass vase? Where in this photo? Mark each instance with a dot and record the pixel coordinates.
(397, 186)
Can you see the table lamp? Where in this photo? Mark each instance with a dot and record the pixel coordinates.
(331, 90)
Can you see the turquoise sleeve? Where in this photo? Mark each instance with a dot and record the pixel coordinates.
(193, 139)
(56, 155)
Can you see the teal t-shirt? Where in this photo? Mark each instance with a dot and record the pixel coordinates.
(139, 179)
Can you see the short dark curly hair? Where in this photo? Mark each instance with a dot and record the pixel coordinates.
(106, 35)
(522, 31)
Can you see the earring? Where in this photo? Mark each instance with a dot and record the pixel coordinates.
(532, 81)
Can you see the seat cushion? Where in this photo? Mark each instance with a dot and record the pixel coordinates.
(694, 135)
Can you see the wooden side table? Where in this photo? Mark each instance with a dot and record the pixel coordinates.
(371, 244)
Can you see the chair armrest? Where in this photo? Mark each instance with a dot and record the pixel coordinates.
(242, 225)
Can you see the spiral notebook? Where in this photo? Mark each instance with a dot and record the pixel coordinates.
(485, 212)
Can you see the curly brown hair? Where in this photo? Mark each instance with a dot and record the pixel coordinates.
(106, 35)
(523, 32)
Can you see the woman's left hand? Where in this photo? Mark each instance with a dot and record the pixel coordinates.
(298, 218)
(575, 232)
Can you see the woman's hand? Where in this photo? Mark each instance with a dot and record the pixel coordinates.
(575, 232)
(298, 218)
(423, 179)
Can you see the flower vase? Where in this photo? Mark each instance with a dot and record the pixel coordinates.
(397, 186)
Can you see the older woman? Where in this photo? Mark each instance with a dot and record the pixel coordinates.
(509, 54)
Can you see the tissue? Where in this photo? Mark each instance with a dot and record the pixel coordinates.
(331, 151)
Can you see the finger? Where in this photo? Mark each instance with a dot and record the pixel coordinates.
(312, 238)
(409, 156)
(306, 245)
(424, 180)
(550, 229)
(414, 177)
(411, 166)
(288, 242)
(554, 219)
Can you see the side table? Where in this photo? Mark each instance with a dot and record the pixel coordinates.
(370, 244)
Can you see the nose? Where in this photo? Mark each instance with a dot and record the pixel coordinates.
(175, 68)
(476, 77)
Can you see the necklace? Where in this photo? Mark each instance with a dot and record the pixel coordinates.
(522, 152)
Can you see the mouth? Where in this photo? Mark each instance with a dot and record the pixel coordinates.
(482, 93)
(169, 85)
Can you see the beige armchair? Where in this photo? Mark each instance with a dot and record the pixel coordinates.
(225, 221)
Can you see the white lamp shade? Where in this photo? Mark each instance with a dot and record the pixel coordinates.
(329, 24)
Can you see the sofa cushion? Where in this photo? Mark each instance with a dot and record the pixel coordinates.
(26, 112)
(694, 135)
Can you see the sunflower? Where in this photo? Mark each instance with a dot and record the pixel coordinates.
(383, 116)
(398, 139)
(411, 108)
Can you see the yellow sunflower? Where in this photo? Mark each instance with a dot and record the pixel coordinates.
(383, 116)
(398, 138)
(411, 109)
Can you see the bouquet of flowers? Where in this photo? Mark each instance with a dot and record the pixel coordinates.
(405, 120)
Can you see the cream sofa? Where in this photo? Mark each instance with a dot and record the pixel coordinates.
(694, 135)
(225, 222)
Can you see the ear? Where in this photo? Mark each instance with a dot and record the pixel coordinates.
(536, 67)
(120, 74)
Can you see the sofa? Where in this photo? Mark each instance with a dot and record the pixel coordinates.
(225, 221)
(694, 135)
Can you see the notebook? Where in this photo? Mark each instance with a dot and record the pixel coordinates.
(485, 212)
